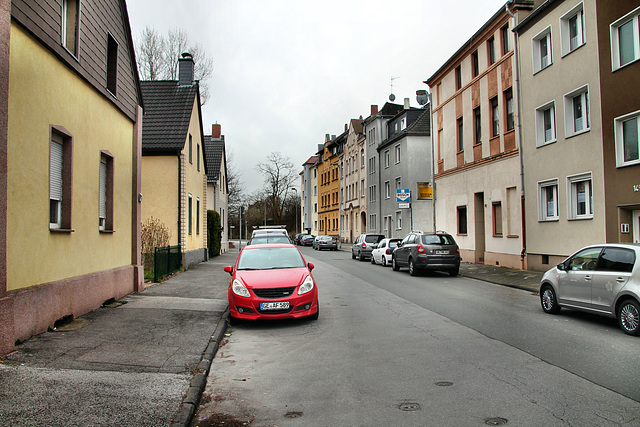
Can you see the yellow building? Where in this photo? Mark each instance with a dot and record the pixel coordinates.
(217, 182)
(69, 162)
(174, 180)
(329, 192)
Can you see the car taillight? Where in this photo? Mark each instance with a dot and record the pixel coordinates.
(420, 249)
(457, 249)
(388, 251)
(364, 245)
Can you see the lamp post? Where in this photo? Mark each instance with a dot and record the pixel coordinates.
(339, 203)
(296, 209)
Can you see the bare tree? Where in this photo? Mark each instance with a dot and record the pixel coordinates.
(279, 175)
(158, 57)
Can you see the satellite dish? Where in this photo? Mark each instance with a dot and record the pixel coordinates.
(392, 97)
(422, 97)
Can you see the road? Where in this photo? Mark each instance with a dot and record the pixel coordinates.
(432, 350)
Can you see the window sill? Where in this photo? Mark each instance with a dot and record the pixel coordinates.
(107, 231)
(549, 219)
(580, 218)
(577, 133)
(61, 230)
(512, 236)
(498, 235)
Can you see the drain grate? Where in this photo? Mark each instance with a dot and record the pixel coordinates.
(409, 406)
(496, 421)
(444, 383)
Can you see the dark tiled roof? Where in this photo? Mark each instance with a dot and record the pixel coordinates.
(420, 127)
(214, 153)
(167, 114)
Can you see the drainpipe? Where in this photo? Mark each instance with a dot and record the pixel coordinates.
(179, 201)
(516, 53)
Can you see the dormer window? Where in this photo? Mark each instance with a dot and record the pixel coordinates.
(70, 20)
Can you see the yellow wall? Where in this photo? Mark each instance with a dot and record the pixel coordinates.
(160, 192)
(42, 92)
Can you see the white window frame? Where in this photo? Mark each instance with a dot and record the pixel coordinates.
(572, 196)
(541, 139)
(363, 186)
(373, 218)
(398, 154)
(634, 17)
(56, 179)
(565, 29)
(569, 118)
(387, 158)
(543, 186)
(398, 183)
(398, 220)
(387, 190)
(619, 138)
(536, 44)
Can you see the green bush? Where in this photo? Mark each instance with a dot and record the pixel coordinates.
(214, 233)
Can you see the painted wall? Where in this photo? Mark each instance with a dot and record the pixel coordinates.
(160, 192)
(42, 93)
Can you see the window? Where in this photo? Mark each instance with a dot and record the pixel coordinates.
(545, 124)
(60, 179)
(459, 135)
(112, 65)
(458, 78)
(397, 149)
(398, 183)
(495, 117)
(617, 259)
(627, 143)
(625, 43)
(70, 21)
(362, 186)
(542, 50)
(403, 123)
(478, 125)
(497, 218)
(373, 218)
(197, 215)
(372, 165)
(508, 102)
(372, 194)
(475, 64)
(387, 190)
(576, 111)
(362, 157)
(190, 214)
(504, 34)
(398, 220)
(198, 156)
(387, 158)
(572, 29)
(190, 149)
(106, 192)
(462, 219)
(548, 200)
(580, 196)
(491, 50)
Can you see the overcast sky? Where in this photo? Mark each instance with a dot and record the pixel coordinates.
(287, 72)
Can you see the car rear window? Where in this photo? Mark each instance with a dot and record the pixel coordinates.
(437, 239)
(373, 238)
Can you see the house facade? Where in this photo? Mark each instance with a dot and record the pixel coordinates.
(477, 181)
(217, 184)
(405, 163)
(353, 188)
(329, 186)
(70, 139)
(309, 195)
(173, 164)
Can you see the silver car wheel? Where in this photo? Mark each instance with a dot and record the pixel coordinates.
(630, 318)
(548, 300)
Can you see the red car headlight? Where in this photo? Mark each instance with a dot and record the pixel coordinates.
(240, 289)
(306, 286)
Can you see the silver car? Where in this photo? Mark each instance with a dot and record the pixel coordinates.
(601, 279)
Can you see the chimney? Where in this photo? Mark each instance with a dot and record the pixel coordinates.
(374, 110)
(327, 137)
(407, 104)
(185, 70)
(216, 131)
(346, 127)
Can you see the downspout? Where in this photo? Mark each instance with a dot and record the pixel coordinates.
(516, 53)
(179, 201)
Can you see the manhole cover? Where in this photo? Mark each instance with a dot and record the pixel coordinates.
(496, 421)
(409, 406)
(444, 383)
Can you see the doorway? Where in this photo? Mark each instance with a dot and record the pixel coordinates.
(478, 209)
(635, 225)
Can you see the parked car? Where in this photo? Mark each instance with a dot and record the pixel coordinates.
(296, 239)
(307, 240)
(325, 242)
(427, 251)
(269, 231)
(268, 238)
(364, 244)
(272, 282)
(602, 279)
(382, 254)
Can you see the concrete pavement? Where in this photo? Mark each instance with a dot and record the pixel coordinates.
(144, 360)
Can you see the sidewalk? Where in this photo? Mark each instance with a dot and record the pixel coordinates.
(144, 360)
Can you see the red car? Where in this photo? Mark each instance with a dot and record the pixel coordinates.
(272, 281)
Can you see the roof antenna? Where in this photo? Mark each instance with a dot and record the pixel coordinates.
(392, 97)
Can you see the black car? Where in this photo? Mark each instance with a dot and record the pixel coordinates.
(364, 244)
(427, 251)
(307, 239)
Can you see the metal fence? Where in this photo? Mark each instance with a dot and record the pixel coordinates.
(167, 260)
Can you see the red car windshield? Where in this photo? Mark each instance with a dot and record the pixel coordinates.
(262, 258)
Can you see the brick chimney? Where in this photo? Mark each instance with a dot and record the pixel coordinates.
(185, 70)
(374, 110)
(216, 131)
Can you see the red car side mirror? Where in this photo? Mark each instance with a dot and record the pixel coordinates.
(228, 269)
(311, 266)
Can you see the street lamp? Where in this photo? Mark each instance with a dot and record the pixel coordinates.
(296, 214)
(339, 203)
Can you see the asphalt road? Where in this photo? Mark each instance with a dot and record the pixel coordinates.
(432, 350)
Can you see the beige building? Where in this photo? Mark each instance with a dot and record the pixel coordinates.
(353, 184)
(217, 184)
(477, 171)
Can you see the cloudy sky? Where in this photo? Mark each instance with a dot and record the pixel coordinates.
(287, 72)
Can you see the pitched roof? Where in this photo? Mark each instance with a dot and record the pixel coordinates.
(214, 153)
(420, 127)
(167, 114)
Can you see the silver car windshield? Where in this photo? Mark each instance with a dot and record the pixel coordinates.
(261, 258)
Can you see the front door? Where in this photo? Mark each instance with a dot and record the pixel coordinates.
(636, 226)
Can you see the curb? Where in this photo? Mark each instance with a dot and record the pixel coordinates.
(198, 383)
